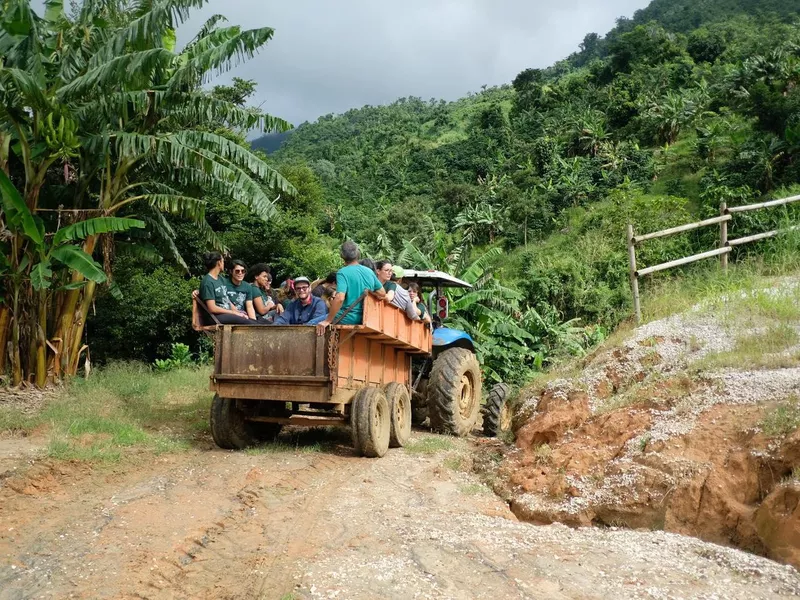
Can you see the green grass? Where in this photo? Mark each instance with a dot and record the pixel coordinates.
(121, 408)
(783, 419)
(429, 445)
(761, 350)
(473, 489)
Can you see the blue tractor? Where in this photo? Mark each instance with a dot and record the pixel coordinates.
(447, 386)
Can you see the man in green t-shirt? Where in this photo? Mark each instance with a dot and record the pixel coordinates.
(352, 280)
(213, 293)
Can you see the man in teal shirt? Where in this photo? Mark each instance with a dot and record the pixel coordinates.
(352, 280)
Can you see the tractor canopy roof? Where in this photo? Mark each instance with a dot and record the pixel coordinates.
(434, 279)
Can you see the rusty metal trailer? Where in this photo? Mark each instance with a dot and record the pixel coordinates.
(266, 377)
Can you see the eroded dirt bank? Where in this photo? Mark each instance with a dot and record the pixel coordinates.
(656, 434)
(215, 524)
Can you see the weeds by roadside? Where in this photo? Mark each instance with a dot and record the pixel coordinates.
(429, 445)
(783, 419)
(118, 408)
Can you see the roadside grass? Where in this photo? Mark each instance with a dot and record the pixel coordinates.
(429, 445)
(122, 408)
(782, 419)
(766, 349)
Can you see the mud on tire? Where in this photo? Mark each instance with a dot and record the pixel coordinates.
(454, 392)
(229, 428)
(496, 412)
(399, 413)
(370, 422)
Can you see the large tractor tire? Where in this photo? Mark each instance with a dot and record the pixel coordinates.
(229, 428)
(454, 392)
(370, 422)
(399, 414)
(496, 411)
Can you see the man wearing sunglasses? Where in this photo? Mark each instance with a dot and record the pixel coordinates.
(304, 308)
(241, 293)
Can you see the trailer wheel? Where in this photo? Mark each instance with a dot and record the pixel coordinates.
(399, 413)
(454, 392)
(496, 411)
(229, 428)
(370, 422)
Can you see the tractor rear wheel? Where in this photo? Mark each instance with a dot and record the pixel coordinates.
(229, 428)
(370, 422)
(496, 411)
(400, 413)
(454, 392)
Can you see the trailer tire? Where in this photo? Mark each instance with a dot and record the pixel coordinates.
(370, 422)
(496, 411)
(229, 428)
(454, 392)
(399, 413)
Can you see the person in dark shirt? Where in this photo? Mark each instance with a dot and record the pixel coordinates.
(327, 288)
(240, 292)
(214, 292)
(395, 293)
(416, 297)
(304, 308)
(265, 301)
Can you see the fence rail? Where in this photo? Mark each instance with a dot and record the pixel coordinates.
(725, 245)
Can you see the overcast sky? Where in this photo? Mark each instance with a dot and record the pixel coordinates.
(329, 56)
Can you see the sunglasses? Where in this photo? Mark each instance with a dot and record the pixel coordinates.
(238, 270)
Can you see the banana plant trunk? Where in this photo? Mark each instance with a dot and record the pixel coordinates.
(41, 337)
(76, 334)
(67, 329)
(5, 318)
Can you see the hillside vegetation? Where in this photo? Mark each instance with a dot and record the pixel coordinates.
(683, 106)
(522, 189)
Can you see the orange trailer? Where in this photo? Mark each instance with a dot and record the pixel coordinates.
(359, 375)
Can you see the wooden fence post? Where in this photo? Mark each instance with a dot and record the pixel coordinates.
(634, 279)
(723, 237)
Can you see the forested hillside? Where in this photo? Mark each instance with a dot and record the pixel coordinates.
(522, 189)
(682, 106)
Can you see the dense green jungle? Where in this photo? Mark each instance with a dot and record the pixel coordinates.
(525, 189)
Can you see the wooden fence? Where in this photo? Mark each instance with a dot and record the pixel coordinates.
(725, 245)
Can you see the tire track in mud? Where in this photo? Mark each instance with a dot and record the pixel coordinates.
(250, 552)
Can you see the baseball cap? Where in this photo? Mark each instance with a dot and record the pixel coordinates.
(302, 280)
(398, 271)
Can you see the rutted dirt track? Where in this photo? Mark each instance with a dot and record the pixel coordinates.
(215, 524)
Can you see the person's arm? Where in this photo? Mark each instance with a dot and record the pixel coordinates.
(260, 307)
(251, 313)
(320, 308)
(336, 306)
(377, 287)
(218, 310)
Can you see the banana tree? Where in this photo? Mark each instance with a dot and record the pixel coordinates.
(103, 91)
(35, 263)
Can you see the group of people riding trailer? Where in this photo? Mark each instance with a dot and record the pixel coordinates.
(372, 355)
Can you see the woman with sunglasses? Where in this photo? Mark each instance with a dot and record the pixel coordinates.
(240, 292)
(214, 293)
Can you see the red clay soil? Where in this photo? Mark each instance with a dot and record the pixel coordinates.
(722, 482)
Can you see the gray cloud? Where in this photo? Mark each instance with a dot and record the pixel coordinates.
(327, 57)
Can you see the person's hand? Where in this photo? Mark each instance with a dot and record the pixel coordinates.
(279, 308)
(322, 326)
(241, 313)
(195, 294)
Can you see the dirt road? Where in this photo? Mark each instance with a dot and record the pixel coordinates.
(302, 525)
